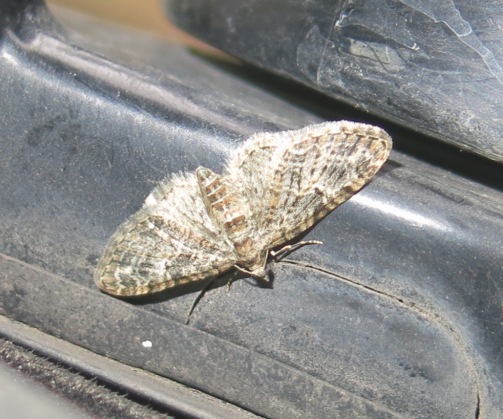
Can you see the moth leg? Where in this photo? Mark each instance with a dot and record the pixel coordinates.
(265, 278)
(206, 287)
(232, 278)
(250, 273)
(290, 248)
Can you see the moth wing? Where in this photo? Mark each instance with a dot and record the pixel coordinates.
(170, 241)
(295, 178)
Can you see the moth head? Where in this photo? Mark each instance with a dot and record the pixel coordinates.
(259, 273)
(256, 268)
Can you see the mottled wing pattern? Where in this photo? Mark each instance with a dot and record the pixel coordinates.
(225, 204)
(295, 178)
(170, 241)
(229, 209)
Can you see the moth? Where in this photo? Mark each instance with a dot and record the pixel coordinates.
(195, 226)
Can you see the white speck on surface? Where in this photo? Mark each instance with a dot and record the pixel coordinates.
(146, 344)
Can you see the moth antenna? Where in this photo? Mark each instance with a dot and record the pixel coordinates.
(285, 250)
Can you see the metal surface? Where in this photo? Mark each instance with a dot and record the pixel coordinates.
(397, 314)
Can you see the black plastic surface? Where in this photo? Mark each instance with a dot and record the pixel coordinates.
(434, 66)
(398, 314)
(94, 384)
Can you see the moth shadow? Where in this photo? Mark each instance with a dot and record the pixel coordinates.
(224, 280)
(388, 167)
